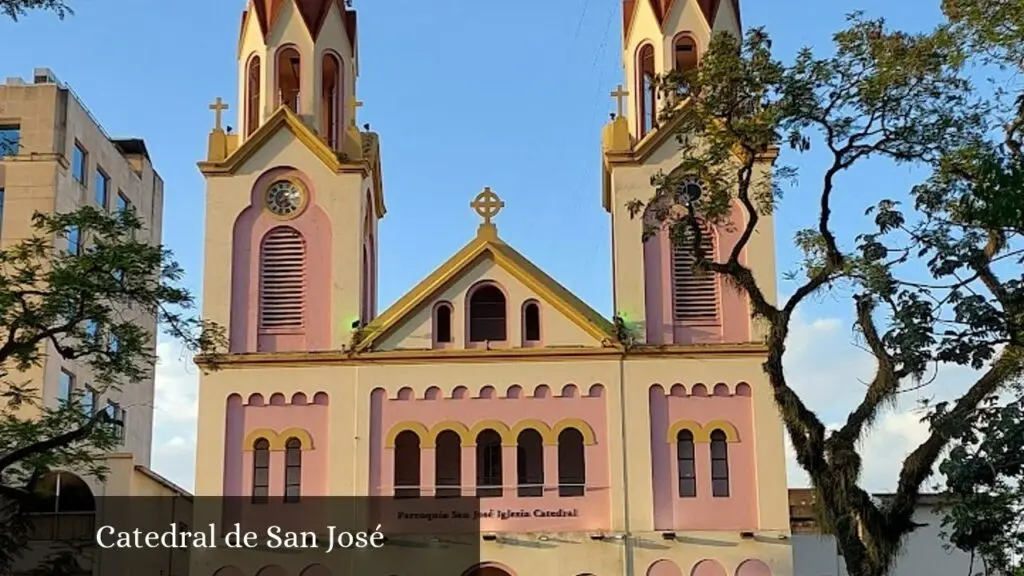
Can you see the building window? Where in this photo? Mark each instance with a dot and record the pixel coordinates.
(114, 346)
(443, 324)
(647, 90)
(74, 240)
(66, 386)
(252, 102)
(283, 280)
(118, 420)
(531, 323)
(530, 464)
(292, 470)
(407, 465)
(572, 465)
(694, 294)
(687, 464)
(89, 399)
(487, 314)
(80, 164)
(261, 471)
(685, 53)
(330, 101)
(488, 464)
(289, 78)
(448, 465)
(10, 140)
(719, 465)
(123, 203)
(1, 212)
(102, 188)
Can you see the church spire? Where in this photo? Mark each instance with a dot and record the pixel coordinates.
(300, 54)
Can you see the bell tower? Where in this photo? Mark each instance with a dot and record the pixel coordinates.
(295, 194)
(656, 289)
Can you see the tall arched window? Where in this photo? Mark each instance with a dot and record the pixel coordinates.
(687, 464)
(282, 279)
(530, 464)
(685, 49)
(252, 96)
(531, 323)
(289, 77)
(488, 464)
(572, 464)
(694, 294)
(647, 90)
(719, 464)
(261, 471)
(292, 470)
(407, 465)
(448, 465)
(330, 100)
(443, 324)
(487, 314)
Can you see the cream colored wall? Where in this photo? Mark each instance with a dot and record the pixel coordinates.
(51, 121)
(337, 194)
(417, 331)
(333, 37)
(643, 28)
(251, 43)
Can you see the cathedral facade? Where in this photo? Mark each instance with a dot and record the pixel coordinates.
(645, 444)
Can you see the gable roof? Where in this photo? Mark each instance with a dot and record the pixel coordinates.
(285, 119)
(485, 244)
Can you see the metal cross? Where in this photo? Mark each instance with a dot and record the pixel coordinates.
(487, 205)
(620, 94)
(356, 104)
(218, 107)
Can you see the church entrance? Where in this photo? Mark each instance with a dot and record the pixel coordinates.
(486, 570)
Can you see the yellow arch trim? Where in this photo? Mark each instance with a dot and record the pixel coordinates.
(699, 434)
(731, 434)
(302, 435)
(455, 426)
(407, 426)
(258, 433)
(497, 426)
(532, 423)
(589, 439)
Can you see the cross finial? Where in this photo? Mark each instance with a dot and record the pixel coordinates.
(353, 106)
(620, 94)
(487, 205)
(218, 107)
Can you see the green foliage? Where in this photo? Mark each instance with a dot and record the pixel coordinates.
(97, 306)
(16, 8)
(882, 95)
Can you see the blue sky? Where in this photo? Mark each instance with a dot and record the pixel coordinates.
(510, 95)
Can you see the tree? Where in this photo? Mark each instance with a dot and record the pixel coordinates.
(82, 288)
(17, 8)
(882, 96)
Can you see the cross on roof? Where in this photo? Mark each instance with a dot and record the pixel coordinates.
(487, 205)
(218, 107)
(620, 94)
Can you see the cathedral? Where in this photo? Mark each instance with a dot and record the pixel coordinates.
(644, 444)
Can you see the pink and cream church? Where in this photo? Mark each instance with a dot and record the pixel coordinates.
(647, 447)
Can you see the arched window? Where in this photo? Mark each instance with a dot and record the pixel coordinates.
(443, 324)
(694, 294)
(687, 464)
(488, 464)
(252, 96)
(531, 323)
(289, 77)
(261, 471)
(283, 279)
(292, 470)
(647, 90)
(719, 465)
(407, 465)
(61, 507)
(364, 312)
(487, 314)
(330, 100)
(685, 50)
(530, 464)
(572, 465)
(448, 465)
